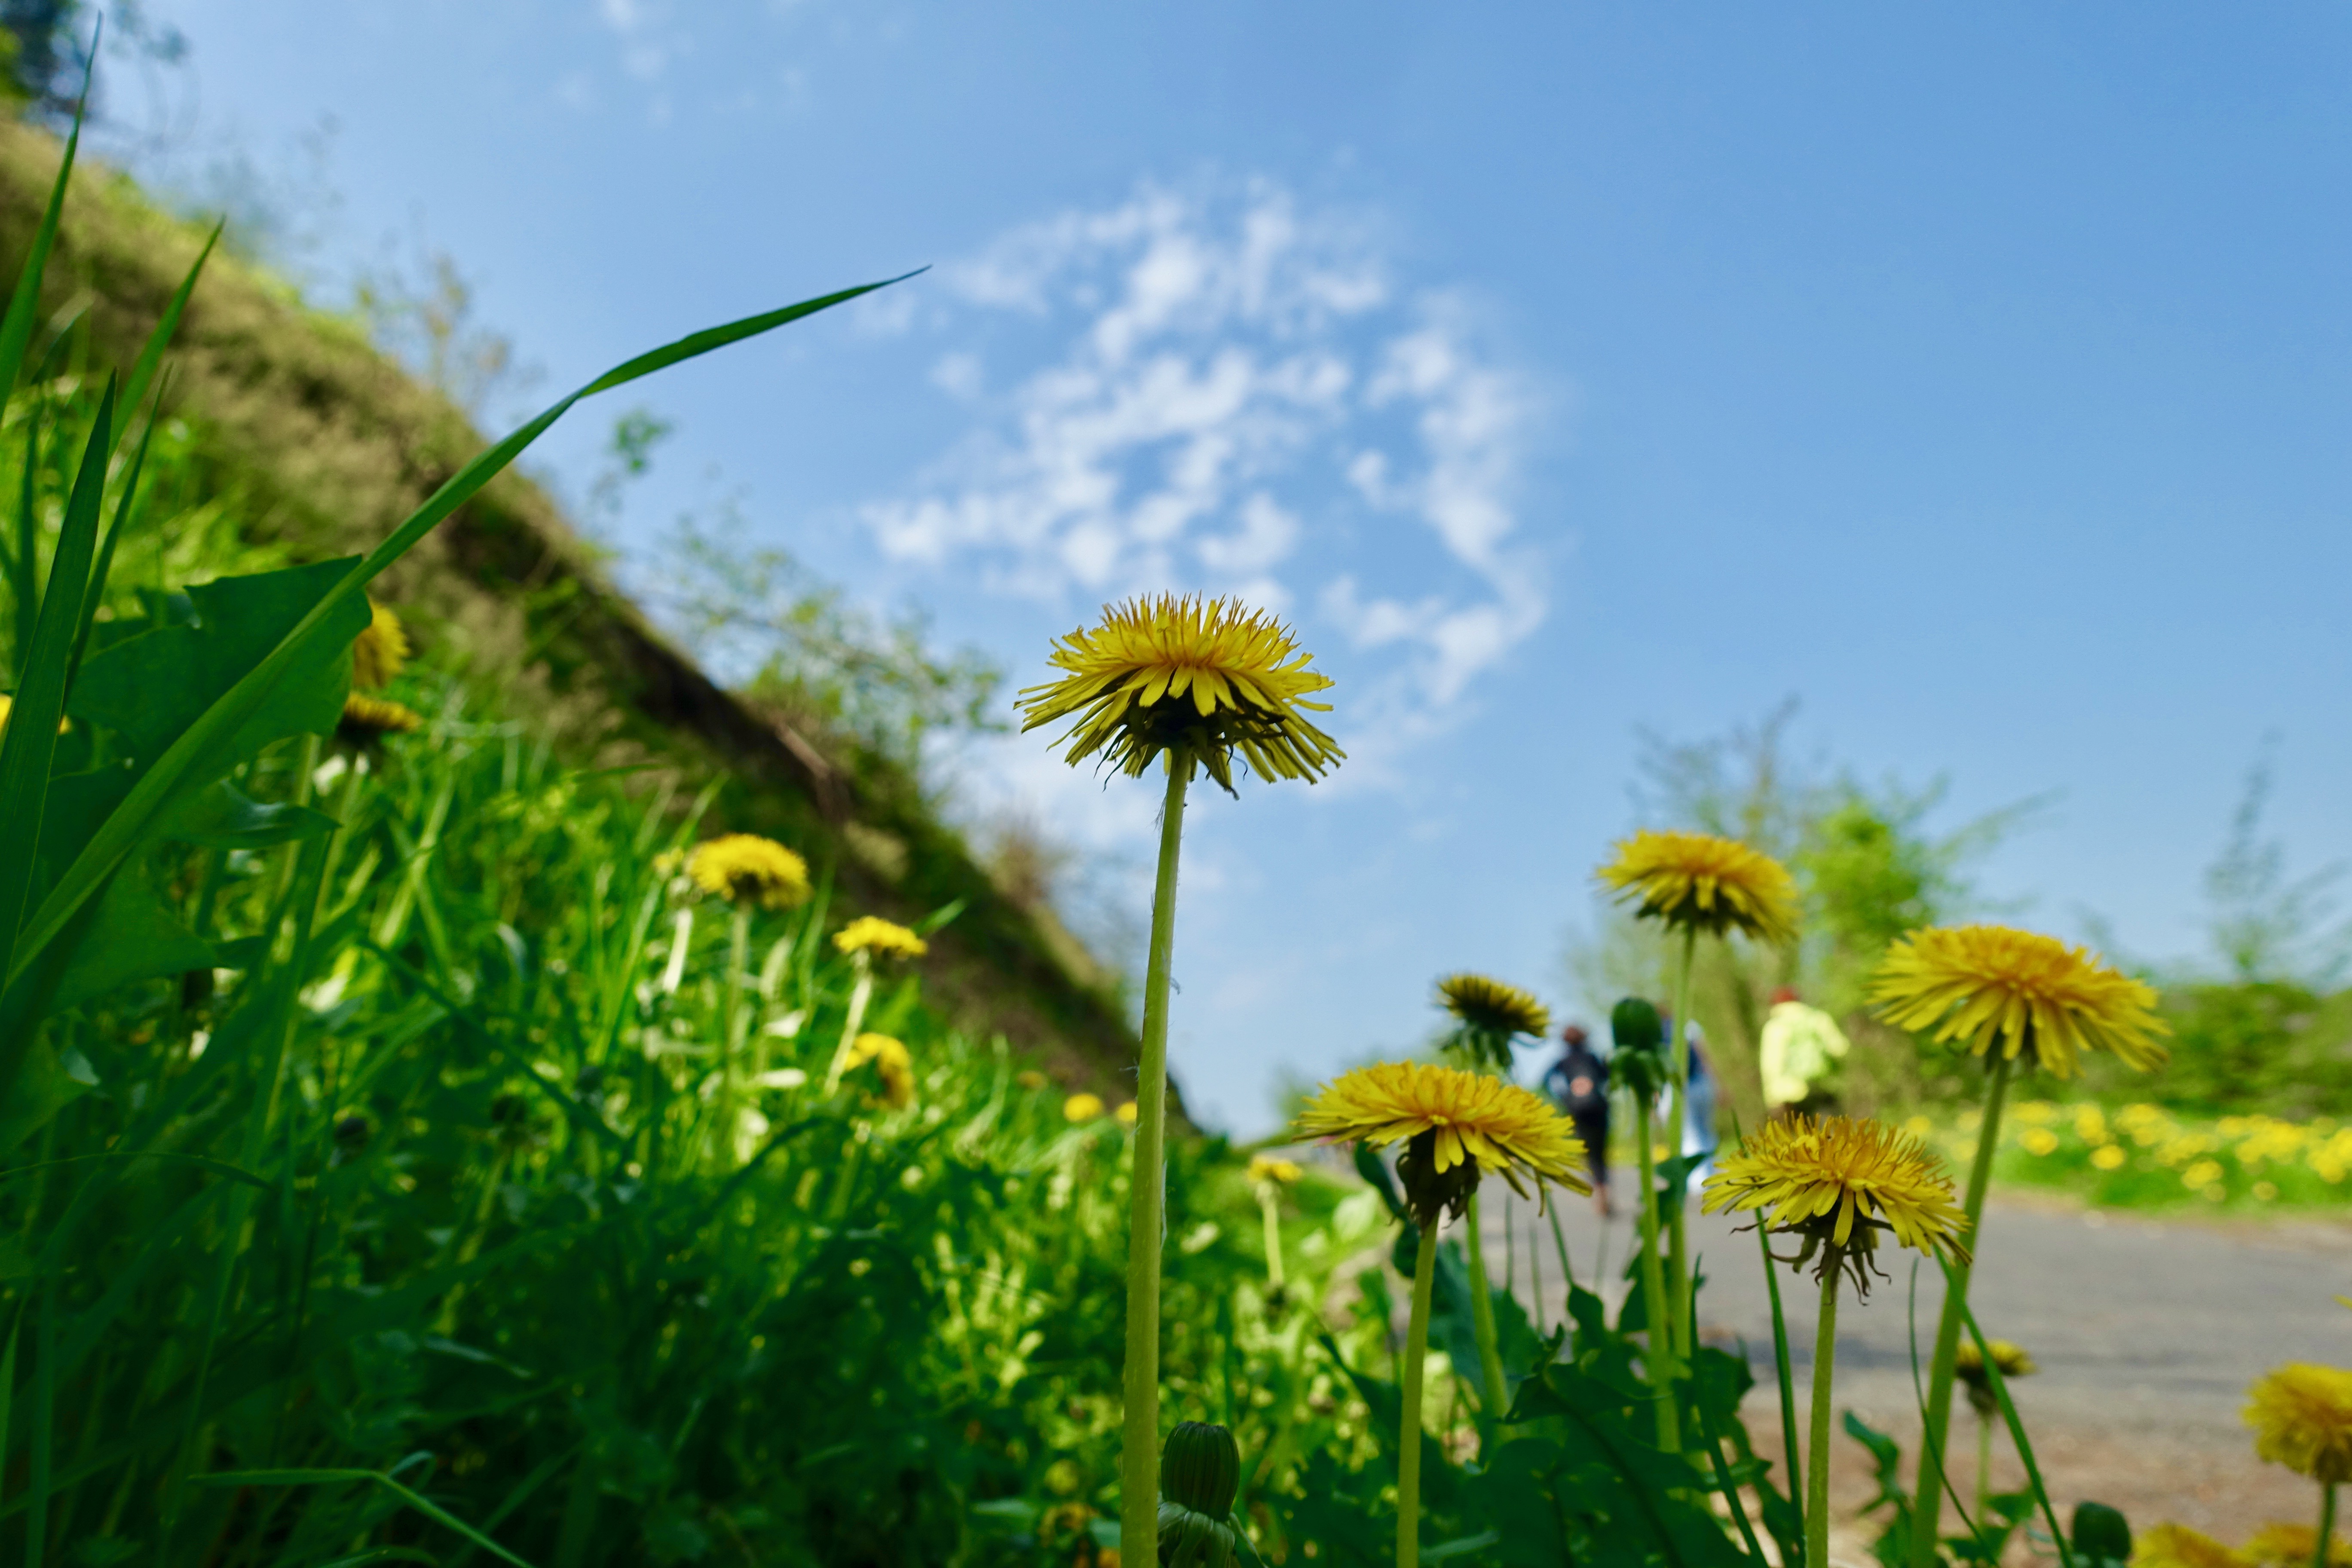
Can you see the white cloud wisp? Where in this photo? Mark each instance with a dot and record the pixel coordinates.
(1214, 388)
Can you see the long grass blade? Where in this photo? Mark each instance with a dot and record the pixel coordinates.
(438, 1515)
(29, 743)
(45, 1399)
(1780, 1367)
(25, 303)
(2017, 1435)
(7, 1391)
(167, 326)
(185, 762)
(95, 591)
(25, 560)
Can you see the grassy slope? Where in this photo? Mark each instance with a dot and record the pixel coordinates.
(334, 443)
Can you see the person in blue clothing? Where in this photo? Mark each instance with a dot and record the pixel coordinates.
(1699, 1138)
(1578, 1084)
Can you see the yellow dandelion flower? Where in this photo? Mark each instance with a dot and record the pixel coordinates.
(1490, 1015)
(1126, 1113)
(870, 933)
(7, 703)
(2302, 1417)
(890, 1059)
(1838, 1182)
(381, 650)
(2009, 1360)
(369, 718)
(745, 869)
(1263, 1168)
(1455, 1126)
(1082, 1108)
(1207, 676)
(2178, 1546)
(2289, 1546)
(1698, 881)
(2033, 995)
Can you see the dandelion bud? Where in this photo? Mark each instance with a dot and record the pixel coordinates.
(1639, 1060)
(1199, 1471)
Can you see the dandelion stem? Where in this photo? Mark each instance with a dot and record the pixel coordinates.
(1678, 1271)
(1984, 1464)
(1138, 1507)
(1817, 1462)
(1267, 1205)
(730, 1034)
(1660, 1357)
(1493, 1395)
(2326, 1523)
(1416, 1353)
(1927, 1503)
(860, 993)
(1788, 1379)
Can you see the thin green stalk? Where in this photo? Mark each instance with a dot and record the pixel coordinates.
(1559, 1241)
(1138, 1461)
(1494, 1395)
(1679, 1279)
(1927, 1503)
(235, 1237)
(1266, 1203)
(1984, 1463)
(1817, 1480)
(2326, 1523)
(1510, 1252)
(45, 1390)
(1659, 1360)
(730, 1032)
(861, 992)
(1780, 1366)
(1416, 1353)
(1535, 1278)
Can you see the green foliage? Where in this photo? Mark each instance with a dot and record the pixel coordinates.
(817, 660)
(1871, 866)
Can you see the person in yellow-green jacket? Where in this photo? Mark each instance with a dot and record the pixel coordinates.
(1799, 1044)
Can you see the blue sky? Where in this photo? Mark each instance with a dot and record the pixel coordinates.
(1977, 375)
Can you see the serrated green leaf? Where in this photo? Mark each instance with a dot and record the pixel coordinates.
(134, 937)
(223, 816)
(205, 747)
(29, 743)
(150, 687)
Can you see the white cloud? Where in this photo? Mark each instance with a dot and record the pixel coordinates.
(1219, 388)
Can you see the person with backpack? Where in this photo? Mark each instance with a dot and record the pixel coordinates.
(1578, 1084)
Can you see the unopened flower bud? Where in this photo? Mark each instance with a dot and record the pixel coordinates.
(1201, 1469)
(1200, 1472)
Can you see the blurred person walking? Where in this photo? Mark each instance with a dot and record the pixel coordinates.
(1699, 1137)
(1799, 1047)
(1577, 1083)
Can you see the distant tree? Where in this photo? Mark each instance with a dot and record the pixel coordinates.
(45, 46)
(1870, 865)
(2263, 1024)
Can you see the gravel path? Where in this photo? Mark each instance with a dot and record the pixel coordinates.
(2146, 1333)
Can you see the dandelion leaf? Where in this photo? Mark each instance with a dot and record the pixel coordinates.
(151, 686)
(131, 937)
(43, 1085)
(223, 816)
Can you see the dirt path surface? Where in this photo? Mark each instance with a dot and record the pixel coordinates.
(2146, 1333)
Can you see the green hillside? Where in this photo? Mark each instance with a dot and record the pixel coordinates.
(333, 443)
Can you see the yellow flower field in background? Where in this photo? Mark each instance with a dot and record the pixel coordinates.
(2144, 1156)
